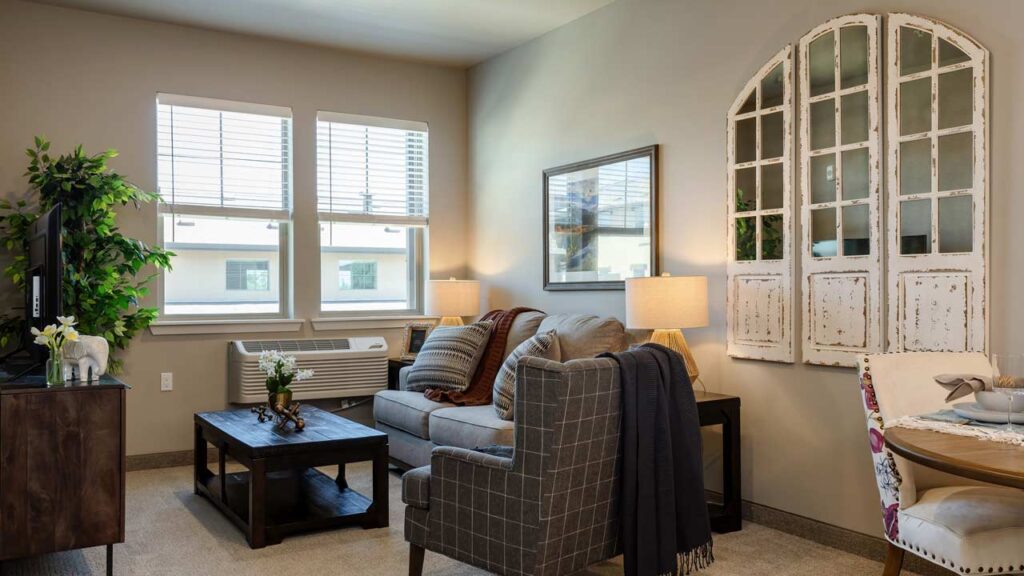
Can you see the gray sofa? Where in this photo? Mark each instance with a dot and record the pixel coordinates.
(415, 425)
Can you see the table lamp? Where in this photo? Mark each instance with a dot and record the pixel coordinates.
(666, 304)
(452, 299)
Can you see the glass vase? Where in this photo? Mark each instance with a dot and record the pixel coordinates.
(56, 375)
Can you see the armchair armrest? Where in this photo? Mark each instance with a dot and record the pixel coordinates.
(441, 453)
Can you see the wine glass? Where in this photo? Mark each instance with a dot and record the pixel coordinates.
(1008, 379)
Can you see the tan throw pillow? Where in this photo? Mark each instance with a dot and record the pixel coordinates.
(585, 336)
(449, 357)
(543, 345)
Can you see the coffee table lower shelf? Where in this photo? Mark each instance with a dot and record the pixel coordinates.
(296, 502)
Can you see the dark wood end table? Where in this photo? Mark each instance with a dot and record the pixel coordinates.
(712, 409)
(282, 492)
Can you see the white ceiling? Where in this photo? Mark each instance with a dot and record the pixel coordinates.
(461, 32)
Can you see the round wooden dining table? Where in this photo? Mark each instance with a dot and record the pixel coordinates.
(985, 460)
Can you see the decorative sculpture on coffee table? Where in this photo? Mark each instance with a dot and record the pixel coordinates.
(281, 370)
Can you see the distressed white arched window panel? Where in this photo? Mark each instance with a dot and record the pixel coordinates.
(760, 263)
(840, 173)
(938, 187)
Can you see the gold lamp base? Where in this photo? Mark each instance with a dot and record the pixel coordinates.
(674, 340)
(451, 321)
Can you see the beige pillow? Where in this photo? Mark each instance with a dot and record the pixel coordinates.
(585, 336)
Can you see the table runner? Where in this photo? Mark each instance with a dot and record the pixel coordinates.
(949, 422)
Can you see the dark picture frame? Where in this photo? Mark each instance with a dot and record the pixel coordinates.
(581, 207)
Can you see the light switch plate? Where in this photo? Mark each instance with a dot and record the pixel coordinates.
(166, 381)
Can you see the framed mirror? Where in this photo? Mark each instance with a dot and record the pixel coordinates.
(600, 221)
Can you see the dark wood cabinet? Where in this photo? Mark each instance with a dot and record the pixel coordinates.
(62, 468)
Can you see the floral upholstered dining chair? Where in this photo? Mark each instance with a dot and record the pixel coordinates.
(965, 526)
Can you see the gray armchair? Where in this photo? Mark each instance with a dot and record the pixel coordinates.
(551, 508)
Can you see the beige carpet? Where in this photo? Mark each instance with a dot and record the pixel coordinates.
(172, 532)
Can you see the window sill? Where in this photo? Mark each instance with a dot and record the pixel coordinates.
(179, 327)
(367, 322)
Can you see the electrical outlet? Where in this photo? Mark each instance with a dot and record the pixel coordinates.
(166, 381)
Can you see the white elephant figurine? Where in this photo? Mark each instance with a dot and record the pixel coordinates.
(89, 355)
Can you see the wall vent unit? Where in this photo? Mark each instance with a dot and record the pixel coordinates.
(343, 367)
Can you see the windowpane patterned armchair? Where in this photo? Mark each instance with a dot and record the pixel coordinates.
(965, 526)
(551, 508)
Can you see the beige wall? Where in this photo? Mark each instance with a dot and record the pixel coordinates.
(78, 77)
(665, 71)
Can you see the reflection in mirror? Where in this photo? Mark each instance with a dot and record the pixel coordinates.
(853, 59)
(949, 54)
(823, 233)
(955, 98)
(771, 237)
(956, 223)
(746, 189)
(823, 178)
(771, 136)
(746, 140)
(855, 117)
(856, 230)
(916, 106)
(750, 104)
(916, 166)
(956, 161)
(771, 186)
(771, 88)
(746, 238)
(915, 227)
(822, 65)
(915, 50)
(855, 174)
(823, 124)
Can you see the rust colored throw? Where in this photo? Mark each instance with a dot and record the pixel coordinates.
(479, 391)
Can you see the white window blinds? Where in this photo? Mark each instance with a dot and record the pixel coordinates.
(224, 158)
(371, 170)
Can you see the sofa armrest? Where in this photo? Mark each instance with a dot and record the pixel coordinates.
(403, 378)
(452, 453)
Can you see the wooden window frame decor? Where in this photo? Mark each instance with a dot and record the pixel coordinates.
(842, 287)
(585, 229)
(938, 299)
(759, 294)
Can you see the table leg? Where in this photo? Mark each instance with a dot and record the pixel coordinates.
(198, 458)
(340, 480)
(222, 453)
(110, 560)
(257, 504)
(378, 512)
(731, 488)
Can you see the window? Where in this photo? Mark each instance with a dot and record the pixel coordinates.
(372, 192)
(357, 275)
(225, 180)
(248, 275)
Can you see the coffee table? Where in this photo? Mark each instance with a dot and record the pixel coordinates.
(282, 492)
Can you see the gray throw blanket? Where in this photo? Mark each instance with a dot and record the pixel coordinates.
(663, 511)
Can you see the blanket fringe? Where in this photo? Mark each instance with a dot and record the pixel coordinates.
(697, 559)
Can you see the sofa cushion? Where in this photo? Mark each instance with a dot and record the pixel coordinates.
(407, 411)
(449, 357)
(543, 345)
(523, 328)
(416, 487)
(469, 427)
(585, 336)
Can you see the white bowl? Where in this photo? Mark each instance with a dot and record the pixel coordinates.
(997, 401)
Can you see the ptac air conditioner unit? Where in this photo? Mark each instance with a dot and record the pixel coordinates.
(342, 367)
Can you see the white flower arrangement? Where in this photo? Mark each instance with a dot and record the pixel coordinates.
(281, 370)
(55, 335)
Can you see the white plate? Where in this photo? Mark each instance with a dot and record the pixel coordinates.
(974, 411)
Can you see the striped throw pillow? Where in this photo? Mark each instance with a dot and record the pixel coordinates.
(543, 345)
(449, 357)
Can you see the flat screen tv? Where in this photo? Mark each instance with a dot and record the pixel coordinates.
(44, 279)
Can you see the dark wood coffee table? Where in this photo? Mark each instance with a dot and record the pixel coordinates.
(282, 492)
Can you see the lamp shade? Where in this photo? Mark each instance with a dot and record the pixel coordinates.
(447, 298)
(666, 302)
